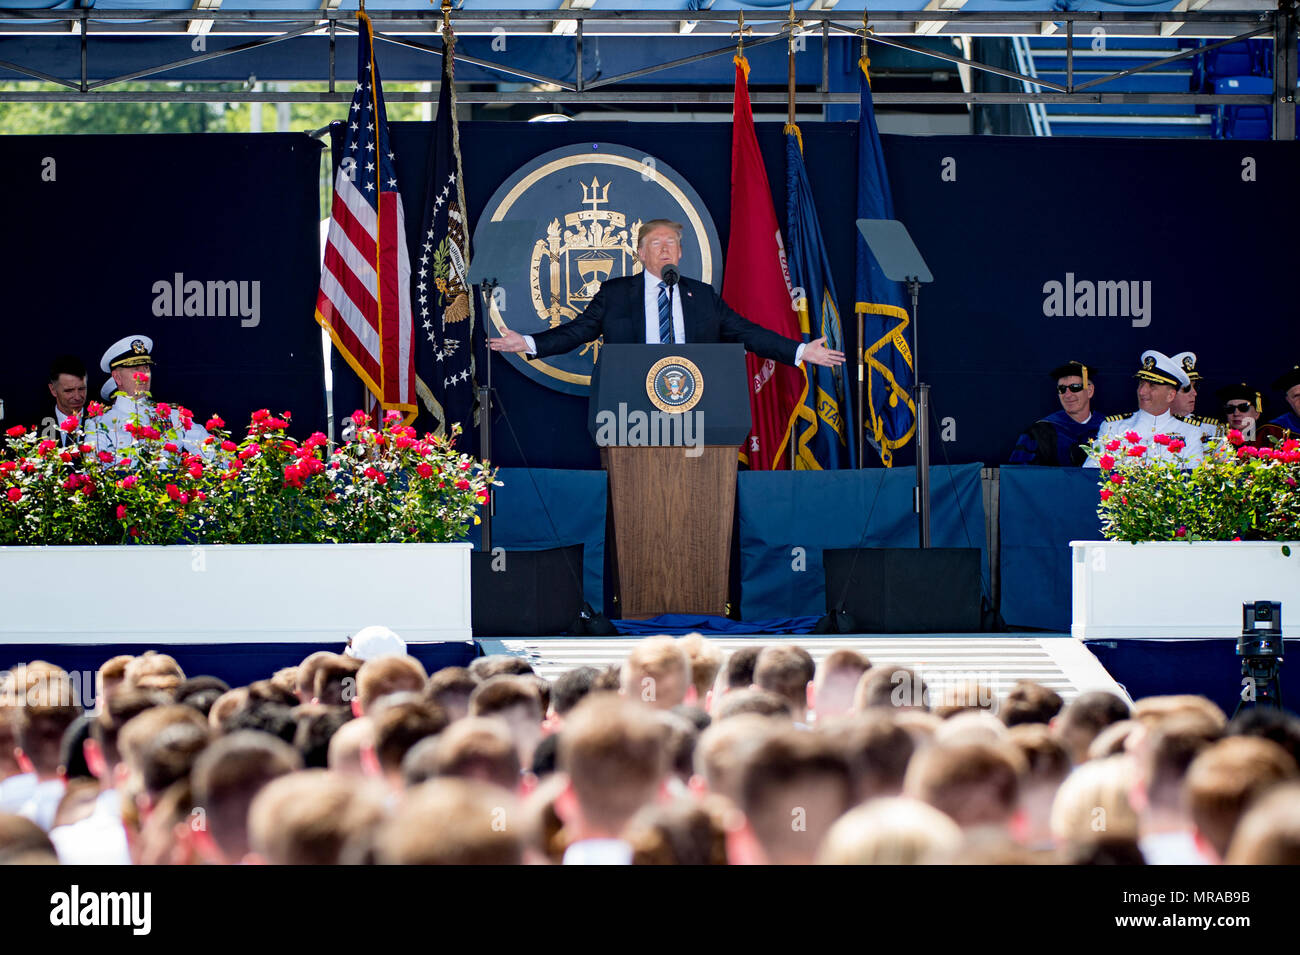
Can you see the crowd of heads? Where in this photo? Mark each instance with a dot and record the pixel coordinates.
(680, 755)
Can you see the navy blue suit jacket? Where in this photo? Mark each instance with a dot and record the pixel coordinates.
(618, 313)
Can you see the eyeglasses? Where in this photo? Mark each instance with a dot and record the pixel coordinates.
(1233, 408)
(1062, 389)
(662, 243)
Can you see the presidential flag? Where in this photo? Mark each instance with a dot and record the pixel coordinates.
(441, 291)
(756, 286)
(886, 326)
(823, 429)
(364, 299)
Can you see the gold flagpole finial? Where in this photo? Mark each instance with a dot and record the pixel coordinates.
(446, 17)
(363, 5)
(740, 34)
(864, 32)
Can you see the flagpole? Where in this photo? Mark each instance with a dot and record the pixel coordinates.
(862, 344)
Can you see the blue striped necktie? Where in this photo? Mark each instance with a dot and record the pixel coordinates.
(665, 316)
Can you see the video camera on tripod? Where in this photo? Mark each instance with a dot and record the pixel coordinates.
(1260, 649)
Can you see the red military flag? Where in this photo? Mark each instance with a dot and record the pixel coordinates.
(757, 286)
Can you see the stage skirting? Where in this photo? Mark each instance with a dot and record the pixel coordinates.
(1040, 511)
(542, 508)
(788, 518)
(1208, 667)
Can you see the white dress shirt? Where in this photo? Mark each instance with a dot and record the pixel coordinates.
(599, 852)
(99, 839)
(43, 803)
(652, 311)
(15, 791)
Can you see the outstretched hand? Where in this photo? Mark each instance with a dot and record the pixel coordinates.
(817, 353)
(508, 342)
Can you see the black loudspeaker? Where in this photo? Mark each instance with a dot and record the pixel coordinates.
(904, 590)
(525, 593)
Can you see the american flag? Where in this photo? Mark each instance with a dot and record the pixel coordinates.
(364, 299)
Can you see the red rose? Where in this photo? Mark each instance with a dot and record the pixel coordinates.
(390, 416)
(261, 415)
(17, 431)
(1106, 461)
(173, 492)
(483, 496)
(462, 485)
(1124, 498)
(1107, 494)
(1137, 451)
(371, 473)
(1291, 444)
(249, 451)
(1181, 532)
(69, 424)
(381, 480)
(15, 494)
(1175, 445)
(215, 422)
(275, 423)
(134, 532)
(424, 470)
(403, 442)
(200, 496)
(169, 446)
(1235, 436)
(121, 511)
(229, 446)
(359, 418)
(45, 447)
(164, 409)
(88, 488)
(129, 481)
(7, 466)
(1117, 478)
(196, 470)
(106, 457)
(315, 440)
(1160, 439)
(466, 465)
(1132, 437)
(71, 481)
(94, 409)
(65, 457)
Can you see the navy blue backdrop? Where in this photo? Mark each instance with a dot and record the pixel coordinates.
(84, 249)
(997, 218)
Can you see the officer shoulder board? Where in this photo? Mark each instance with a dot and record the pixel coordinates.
(1118, 417)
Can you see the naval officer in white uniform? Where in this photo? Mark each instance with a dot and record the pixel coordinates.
(130, 363)
(1159, 380)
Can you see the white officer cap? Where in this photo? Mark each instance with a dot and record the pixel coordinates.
(127, 352)
(1186, 360)
(373, 642)
(107, 389)
(1160, 369)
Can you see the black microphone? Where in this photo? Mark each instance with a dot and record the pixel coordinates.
(670, 275)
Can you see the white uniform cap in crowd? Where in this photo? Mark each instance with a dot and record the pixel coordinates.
(373, 642)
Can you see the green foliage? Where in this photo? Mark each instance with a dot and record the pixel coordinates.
(1237, 492)
(386, 484)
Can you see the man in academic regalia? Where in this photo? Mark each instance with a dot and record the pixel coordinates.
(1056, 440)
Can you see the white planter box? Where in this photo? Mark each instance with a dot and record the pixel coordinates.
(1179, 590)
(246, 593)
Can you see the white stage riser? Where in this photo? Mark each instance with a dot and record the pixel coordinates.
(247, 593)
(1177, 590)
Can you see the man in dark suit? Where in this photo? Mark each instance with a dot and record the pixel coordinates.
(638, 309)
(68, 389)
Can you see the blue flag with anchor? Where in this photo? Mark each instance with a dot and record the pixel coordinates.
(824, 433)
(886, 329)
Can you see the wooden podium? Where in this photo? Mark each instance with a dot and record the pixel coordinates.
(669, 420)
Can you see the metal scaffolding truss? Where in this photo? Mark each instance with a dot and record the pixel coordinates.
(418, 30)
